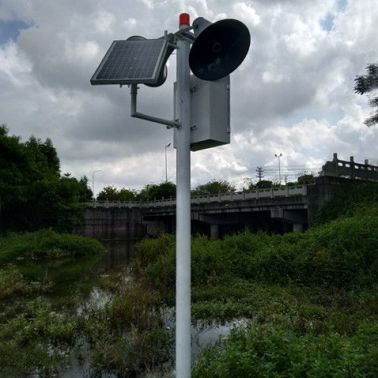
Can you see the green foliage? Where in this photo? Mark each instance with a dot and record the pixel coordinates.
(341, 253)
(368, 84)
(310, 297)
(42, 157)
(306, 179)
(13, 283)
(33, 194)
(348, 202)
(157, 192)
(47, 244)
(132, 308)
(274, 352)
(41, 336)
(34, 338)
(110, 193)
(127, 337)
(85, 193)
(264, 184)
(131, 355)
(213, 188)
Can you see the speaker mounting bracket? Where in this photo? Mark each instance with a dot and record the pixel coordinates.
(185, 34)
(134, 113)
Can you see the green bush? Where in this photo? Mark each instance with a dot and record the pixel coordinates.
(274, 352)
(341, 253)
(46, 244)
(347, 202)
(133, 307)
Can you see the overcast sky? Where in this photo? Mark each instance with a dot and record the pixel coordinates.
(293, 94)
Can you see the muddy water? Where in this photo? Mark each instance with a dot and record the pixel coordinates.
(117, 259)
(120, 252)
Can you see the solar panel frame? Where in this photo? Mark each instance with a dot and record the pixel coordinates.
(125, 75)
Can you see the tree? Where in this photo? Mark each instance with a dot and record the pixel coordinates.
(126, 195)
(86, 193)
(306, 179)
(42, 157)
(157, 191)
(214, 188)
(368, 84)
(110, 193)
(14, 166)
(265, 184)
(32, 192)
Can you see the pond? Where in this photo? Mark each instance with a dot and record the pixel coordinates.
(90, 317)
(117, 260)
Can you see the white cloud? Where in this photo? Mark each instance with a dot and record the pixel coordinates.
(14, 67)
(272, 77)
(247, 13)
(292, 94)
(104, 22)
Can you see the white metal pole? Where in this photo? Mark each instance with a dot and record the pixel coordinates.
(183, 232)
(93, 181)
(279, 166)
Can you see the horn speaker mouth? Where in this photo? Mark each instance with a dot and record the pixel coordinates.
(219, 49)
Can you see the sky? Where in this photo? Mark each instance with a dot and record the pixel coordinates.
(292, 95)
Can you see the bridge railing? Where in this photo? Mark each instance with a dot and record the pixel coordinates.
(350, 169)
(287, 191)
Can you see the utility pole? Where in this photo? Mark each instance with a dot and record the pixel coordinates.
(260, 173)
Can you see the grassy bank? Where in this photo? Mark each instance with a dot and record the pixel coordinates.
(311, 298)
(338, 254)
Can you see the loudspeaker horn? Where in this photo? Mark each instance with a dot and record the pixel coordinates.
(219, 48)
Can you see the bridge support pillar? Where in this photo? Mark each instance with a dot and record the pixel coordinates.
(214, 231)
(298, 227)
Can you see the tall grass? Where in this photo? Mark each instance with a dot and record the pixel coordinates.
(341, 253)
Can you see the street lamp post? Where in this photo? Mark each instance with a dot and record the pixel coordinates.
(278, 156)
(166, 165)
(93, 181)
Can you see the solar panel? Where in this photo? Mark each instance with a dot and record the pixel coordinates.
(132, 62)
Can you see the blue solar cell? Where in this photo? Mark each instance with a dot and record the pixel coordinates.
(132, 61)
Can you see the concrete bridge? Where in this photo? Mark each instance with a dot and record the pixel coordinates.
(276, 209)
(289, 208)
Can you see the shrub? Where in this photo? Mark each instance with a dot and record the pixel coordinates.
(134, 307)
(341, 253)
(13, 283)
(274, 352)
(47, 244)
(34, 338)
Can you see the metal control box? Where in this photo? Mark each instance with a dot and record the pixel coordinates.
(210, 113)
